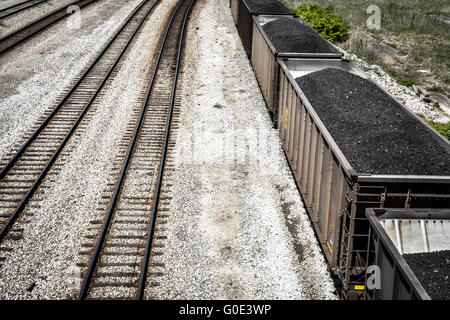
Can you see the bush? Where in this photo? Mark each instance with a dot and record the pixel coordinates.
(404, 82)
(442, 128)
(331, 27)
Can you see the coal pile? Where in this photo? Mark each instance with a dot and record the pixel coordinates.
(374, 132)
(267, 7)
(433, 271)
(294, 35)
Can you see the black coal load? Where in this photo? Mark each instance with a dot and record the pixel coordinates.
(267, 7)
(295, 36)
(433, 271)
(374, 132)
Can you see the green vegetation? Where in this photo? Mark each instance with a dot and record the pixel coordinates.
(330, 26)
(437, 107)
(442, 128)
(218, 106)
(438, 12)
(405, 82)
(402, 81)
(397, 16)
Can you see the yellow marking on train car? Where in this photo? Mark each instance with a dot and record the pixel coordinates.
(359, 287)
(285, 117)
(329, 247)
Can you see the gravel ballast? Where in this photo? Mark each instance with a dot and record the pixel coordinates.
(56, 231)
(376, 135)
(267, 7)
(237, 228)
(35, 75)
(22, 18)
(293, 35)
(433, 271)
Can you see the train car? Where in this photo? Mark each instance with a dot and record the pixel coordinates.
(243, 12)
(276, 37)
(411, 250)
(347, 158)
(234, 5)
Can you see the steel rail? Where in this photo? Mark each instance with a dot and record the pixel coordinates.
(62, 11)
(30, 5)
(107, 222)
(13, 217)
(16, 5)
(144, 268)
(22, 149)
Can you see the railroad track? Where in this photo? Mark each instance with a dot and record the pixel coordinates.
(17, 37)
(24, 171)
(19, 7)
(118, 266)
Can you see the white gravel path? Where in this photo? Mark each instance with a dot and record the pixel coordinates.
(237, 227)
(53, 237)
(34, 75)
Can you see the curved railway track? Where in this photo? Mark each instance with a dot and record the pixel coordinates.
(121, 254)
(19, 7)
(17, 37)
(23, 173)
